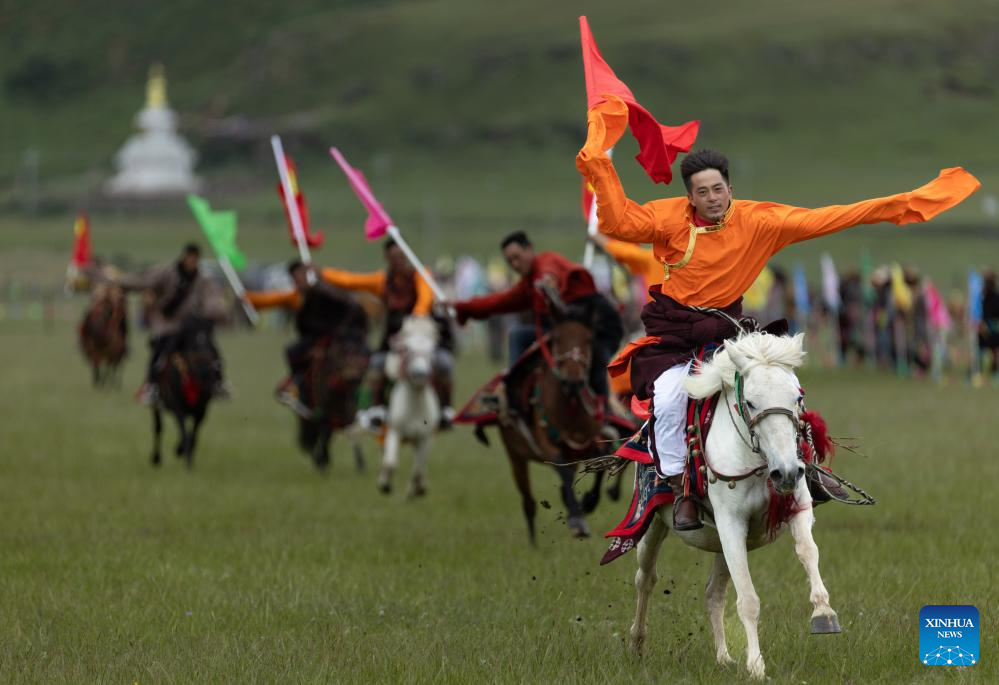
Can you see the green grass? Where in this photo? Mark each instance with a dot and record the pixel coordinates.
(253, 568)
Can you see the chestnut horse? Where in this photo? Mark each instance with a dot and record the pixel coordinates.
(562, 419)
(104, 336)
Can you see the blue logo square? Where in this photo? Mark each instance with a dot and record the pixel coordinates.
(948, 635)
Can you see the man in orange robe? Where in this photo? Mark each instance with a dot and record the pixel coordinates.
(712, 248)
(404, 293)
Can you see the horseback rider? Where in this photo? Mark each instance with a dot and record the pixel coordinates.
(404, 293)
(182, 301)
(321, 312)
(576, 289)
(699, 300)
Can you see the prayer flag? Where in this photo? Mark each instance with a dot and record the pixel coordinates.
(658, 145)
(311, 239)
(378, 219)
(830, 283)
(936, 309)
(219, 228)
(588, 196)
(976, 288)
(900, 291)
(801, 301)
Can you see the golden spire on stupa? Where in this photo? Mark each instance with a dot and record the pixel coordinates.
(156, 88)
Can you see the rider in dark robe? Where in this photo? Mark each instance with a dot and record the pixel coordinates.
(321, 312)
(182, 302)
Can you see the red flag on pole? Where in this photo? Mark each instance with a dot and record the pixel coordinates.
(311, 239)
(658, 145)
(81, 241)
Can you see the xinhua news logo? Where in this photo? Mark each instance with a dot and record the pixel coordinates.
(948, 635)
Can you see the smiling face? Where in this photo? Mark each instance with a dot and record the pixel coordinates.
(710, 194)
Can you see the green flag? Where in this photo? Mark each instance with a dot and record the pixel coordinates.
(219, 228)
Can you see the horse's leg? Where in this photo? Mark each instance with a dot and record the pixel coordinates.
(645, 578)
(355, 441)
(181, 448)
(714, 599)
(519, 464)
(321, 448)
(824, 619)
(732, 532)
(575, 520)
(421, 453)
(592, 497)
(157, 433)
(192, 438)
(390, 459)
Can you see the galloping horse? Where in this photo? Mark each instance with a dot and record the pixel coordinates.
(564, 419)
(184, 388)
(104, 335)
(329, 391)
(413, 411)
(752, 458)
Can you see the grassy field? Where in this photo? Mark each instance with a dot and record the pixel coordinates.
(253, 568)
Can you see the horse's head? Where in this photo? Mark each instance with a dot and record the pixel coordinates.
(755, 374)
(571, 342)
(413, 348)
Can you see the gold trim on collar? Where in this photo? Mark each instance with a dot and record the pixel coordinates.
(696, 230)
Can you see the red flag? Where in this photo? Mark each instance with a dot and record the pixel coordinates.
(311, 239)
(658, 145)
(81, 241)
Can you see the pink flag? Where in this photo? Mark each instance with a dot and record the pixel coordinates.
(378, 219)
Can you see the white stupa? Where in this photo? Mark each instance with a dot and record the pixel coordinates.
(156, 161)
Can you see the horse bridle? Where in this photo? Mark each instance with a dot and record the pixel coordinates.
(752, 421)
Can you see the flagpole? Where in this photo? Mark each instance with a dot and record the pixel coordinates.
(592, 226)
(396, 236)
(237, 287)
(292, 207)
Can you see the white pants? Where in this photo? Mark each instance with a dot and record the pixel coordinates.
(670, 406)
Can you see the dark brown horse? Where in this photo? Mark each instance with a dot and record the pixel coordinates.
(561, 419)
(329, 393)
(104, 336)
(184, 388)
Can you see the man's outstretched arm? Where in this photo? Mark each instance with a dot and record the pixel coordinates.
(795, 224)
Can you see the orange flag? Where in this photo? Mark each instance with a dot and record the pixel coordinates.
(658, 145)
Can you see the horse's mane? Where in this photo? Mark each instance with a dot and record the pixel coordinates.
(745, 352)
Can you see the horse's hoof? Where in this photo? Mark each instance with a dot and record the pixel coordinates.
(590, 502)
(724, 659)
(824, 625)
(578, 527)
(385, 488)
(614, 493)
(156, 460)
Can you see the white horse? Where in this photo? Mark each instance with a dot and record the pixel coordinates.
(413, 411)
(754, 436)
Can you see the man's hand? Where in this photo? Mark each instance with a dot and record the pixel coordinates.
(447, 308)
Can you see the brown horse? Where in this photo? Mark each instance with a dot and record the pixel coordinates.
(562, 419)
(329, 391)
(104, 336)
(184, 388)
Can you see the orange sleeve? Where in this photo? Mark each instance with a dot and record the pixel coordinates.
(424, 296)
(268, 299)
(795, 224)
(373, 282)
(619, 216)
(638, 260)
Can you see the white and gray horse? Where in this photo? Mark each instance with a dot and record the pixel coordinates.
(413, 411)
(754, 441)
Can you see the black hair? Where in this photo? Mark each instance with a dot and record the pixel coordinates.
(294, 265)
(389, 244)
(191, 248)
(518, 237)
(701, 160)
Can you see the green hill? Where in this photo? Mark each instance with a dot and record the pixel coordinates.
(467, 115)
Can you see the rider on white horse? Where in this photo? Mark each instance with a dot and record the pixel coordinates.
(700, 298)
